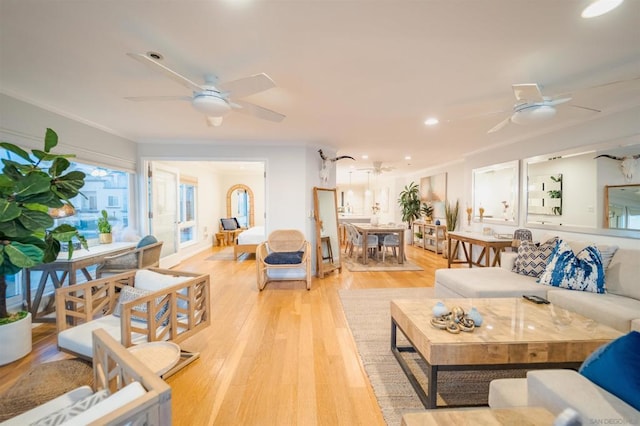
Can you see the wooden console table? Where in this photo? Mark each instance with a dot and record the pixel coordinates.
(433, 236)
(67, 268)
(489, 244)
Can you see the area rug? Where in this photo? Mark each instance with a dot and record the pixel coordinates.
(369, 318)
(390, 264)
(43, 383)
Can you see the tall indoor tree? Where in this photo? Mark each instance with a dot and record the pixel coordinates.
(31, 187)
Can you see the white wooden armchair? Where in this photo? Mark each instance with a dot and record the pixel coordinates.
(285, 256)
(174, 308)
(124, 391)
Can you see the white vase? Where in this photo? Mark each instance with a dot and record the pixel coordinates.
(16, 340)
(375, 220)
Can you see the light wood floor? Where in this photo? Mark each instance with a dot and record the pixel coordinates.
(283, 356)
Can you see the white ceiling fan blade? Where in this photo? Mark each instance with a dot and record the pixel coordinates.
(258, 111)
(584, 107)
(247, 86)
(500, 125)
(184, 81)
(158, 98)
(558, 101)
(529, 92)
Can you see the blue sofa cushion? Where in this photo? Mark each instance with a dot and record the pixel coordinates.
(615, 367)
(581, 271)
(284, 258)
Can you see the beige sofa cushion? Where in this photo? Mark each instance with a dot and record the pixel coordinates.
(623, 273)
(609, 309)
(558, 389)
(485, 282)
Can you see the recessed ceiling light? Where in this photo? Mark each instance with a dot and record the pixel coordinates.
(155, 55)
(431, 121)
(407, 157)
(600, 7)
(364, 157)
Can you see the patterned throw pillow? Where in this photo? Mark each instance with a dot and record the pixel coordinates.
(582, 271)
(532, 257)
(129, 293)
(65, 414)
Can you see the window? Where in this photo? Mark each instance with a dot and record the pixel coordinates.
(188, 187)
(109, 190)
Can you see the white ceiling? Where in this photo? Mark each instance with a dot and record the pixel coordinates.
(358, 76)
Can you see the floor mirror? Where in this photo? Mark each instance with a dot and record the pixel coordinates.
(327, 242)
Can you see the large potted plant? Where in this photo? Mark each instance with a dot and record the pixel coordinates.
(409, 202)
(451, 214)
(31, 189)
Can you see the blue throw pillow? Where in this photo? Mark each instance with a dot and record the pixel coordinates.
(582, 271)
(284, 258)
(615, 367)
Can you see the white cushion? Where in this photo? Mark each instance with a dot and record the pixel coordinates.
(608, 309)
(79, 339)
(154, 281)
(508, 393)
(65, 414)
(42, 410)
(556, 390)
(113, 402)
(623, 273)
(486, 282)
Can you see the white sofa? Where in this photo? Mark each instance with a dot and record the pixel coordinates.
(618, 308)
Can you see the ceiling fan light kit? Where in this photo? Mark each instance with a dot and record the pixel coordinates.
(528, 114)
(210, 105)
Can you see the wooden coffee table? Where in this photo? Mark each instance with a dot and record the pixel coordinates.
(515, 334)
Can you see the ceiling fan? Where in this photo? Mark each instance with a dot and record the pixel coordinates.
(213, 99)
(378, 168)
(532, 106)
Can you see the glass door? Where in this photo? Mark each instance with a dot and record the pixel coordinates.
(163, 223)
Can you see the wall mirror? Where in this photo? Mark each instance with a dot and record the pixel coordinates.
(240, 205)
(327, 242)
(545, 195)
(622, 207)
(596, 197)
(495, 191)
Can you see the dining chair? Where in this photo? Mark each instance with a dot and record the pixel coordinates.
(391, 241)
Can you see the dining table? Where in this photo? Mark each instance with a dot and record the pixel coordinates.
(366, 228)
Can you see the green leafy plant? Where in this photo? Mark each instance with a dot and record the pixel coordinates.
(28, 190)
(104, 227)
(418, 235)
(427, 210)
(409, 202)
(452, 215)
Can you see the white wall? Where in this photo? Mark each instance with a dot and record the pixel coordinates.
(25, 125)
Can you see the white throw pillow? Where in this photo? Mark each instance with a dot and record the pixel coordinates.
(154, 281)
(65, 414)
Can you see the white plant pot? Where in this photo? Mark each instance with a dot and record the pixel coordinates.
(16, 340)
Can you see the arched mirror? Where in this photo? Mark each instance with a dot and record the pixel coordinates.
(240, 205)
(327, 242)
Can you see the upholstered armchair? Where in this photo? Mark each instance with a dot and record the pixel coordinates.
(145, 255)
(285, 256)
